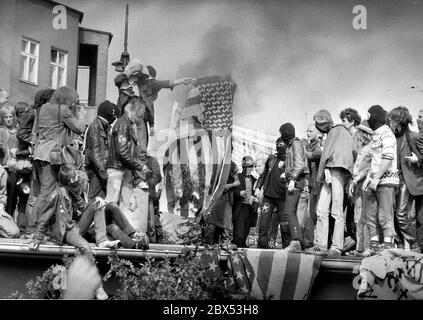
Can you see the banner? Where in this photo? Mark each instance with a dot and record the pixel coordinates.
(393, 274)
(252, 143)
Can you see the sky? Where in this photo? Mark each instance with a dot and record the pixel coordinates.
(288, 58)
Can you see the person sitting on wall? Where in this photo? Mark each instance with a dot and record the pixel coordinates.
(68, 217)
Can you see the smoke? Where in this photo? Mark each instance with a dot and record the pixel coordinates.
(291, 58)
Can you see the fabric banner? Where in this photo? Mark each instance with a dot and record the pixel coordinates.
(267, 274)
(198, 156)
(393, 274)
(251, 142)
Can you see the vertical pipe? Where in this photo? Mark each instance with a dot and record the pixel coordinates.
(126, 29)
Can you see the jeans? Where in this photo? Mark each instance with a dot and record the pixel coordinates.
(47, 178)
(266, 215)
(331, 202)
(132, 201)
(118, 226)
(274, 225)
(8, 227)
(242, 225)
(30, 212)
(289, 215)
(115, 179)
(379, 208)
(305, 220)
(403, 219)
(75, 236)
(362, 234)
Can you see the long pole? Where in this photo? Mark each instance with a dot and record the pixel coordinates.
(126, 29)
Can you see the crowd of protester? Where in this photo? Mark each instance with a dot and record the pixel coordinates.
(61, 179)
(353, 188)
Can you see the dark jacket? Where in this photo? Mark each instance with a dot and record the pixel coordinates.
(123, 142)
(313, 154)
(263, 180)
(25, 129)
(296, 161)
(97, 145)
(238, 200)
(412, 173)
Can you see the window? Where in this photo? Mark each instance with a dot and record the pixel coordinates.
(58, 62)
(29, 61)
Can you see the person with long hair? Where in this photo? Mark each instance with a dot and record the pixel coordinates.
(26, 138)
(410, 178)
(55, 126)
(8, 130)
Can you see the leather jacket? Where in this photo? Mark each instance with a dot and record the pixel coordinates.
(123, 142)
(295, 161)
(97, 145)
(264, 178)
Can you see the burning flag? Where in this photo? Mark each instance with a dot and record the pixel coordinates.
(198, 157)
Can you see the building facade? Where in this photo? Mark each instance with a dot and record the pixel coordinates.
(35, 54)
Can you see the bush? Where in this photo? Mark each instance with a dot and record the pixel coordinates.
(182, 278)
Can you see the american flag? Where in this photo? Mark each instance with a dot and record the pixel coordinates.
(273, 274)
(198, 156)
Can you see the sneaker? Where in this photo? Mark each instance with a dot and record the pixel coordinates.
(108, 244)
(272, 244)
(136, 236)
(373, 249)
(100, 294)
(349, 244)
(316, 250)
(334, 252)
(294, 246)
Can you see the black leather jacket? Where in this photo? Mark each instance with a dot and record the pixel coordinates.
(97, 145)
(123, 142)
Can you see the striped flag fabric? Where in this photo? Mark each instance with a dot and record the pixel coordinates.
(198, 155)
(251, 142)
(273, 274)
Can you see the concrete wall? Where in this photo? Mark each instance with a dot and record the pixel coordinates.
(7, 22)
(33, 20)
